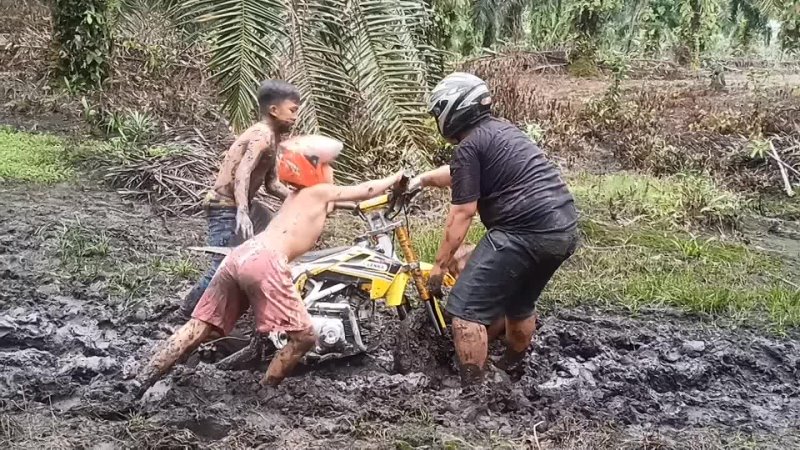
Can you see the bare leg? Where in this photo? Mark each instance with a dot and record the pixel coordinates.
(472, 348)
(287, 358)
(496, 329)
(186, 339)
(518, 339)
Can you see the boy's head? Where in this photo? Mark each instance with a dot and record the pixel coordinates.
(305, 161)
(279, 101)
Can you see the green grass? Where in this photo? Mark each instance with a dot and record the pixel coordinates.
(642, 248)
(36, 158)
(637, 268)
(671, 202)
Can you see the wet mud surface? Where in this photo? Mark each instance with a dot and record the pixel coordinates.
(593, 380)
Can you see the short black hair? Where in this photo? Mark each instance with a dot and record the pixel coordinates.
(273, 92)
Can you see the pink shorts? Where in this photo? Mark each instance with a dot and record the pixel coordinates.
(253, 275)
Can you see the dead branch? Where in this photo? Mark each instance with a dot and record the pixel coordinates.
(786, 183)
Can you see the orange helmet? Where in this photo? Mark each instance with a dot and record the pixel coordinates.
(305, 160)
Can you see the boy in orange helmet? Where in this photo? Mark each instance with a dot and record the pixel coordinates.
(257, 274)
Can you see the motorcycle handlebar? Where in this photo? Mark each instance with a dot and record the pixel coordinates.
(347, 206)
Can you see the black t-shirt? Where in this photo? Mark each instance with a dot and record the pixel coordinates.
(516, 187)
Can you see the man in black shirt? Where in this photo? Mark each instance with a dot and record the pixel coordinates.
(529, 214)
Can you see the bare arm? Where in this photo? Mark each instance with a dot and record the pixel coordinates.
(273, 186)
(362, 191)
(256, 147)
(458, 221)
(439, 177)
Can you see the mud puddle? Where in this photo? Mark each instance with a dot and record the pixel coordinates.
(594, 379)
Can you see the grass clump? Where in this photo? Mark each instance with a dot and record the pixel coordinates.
(676, 201)
(36, 158)
(637, 268)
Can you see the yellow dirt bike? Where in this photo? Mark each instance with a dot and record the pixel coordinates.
(341, 286)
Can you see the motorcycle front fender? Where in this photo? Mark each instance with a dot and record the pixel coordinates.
(395, 294)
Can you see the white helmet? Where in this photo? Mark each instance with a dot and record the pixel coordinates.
(459, 101)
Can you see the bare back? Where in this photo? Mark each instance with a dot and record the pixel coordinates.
(259, 134)
(299, 223)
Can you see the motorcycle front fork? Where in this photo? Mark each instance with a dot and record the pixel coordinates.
(431, 304)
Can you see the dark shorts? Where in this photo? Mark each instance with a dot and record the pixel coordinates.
(506, 273)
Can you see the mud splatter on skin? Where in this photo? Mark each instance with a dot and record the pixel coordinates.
(68, 353)
(471, 346)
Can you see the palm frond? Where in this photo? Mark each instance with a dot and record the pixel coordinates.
(486, 17)
(242, 33)
(388, 71)
(770, 8)
(426, 34)
(316, 67)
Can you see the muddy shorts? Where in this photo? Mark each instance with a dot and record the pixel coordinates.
(222, 233)
(253, 275)
(506, 273)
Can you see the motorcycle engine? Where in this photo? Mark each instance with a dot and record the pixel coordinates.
(330, 334)
(338, 334)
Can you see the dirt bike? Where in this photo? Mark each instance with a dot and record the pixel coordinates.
(336, 284)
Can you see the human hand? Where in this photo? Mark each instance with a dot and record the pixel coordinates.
(415, 183)
(244, 226)
(435, 282)
(398, 176)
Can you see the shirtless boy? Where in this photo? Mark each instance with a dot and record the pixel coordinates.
(257, 272)
(249, 162)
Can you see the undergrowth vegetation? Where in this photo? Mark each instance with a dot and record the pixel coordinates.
(677, 200)
(639, 268)
(33, 158)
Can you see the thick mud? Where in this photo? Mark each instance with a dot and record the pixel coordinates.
(69, 346)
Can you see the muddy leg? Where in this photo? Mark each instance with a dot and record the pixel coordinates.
(186, 339)
(496, 329)
(221, 233)
(518, 339)
(287, 358)
(472, 348)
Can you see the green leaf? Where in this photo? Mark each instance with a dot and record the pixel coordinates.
(243, 32)
(388, 69)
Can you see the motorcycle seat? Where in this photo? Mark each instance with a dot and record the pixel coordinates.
(317, 254)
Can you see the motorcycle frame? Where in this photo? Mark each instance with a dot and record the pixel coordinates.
(412, 265)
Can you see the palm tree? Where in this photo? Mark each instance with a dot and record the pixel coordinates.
(346, 57)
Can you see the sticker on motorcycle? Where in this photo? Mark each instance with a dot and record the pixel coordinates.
(376, 266)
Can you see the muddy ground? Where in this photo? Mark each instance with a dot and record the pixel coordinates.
(595, 379)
